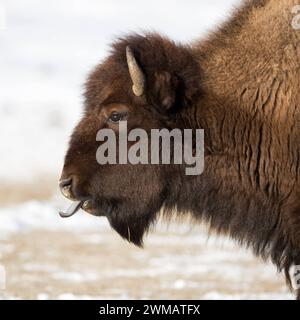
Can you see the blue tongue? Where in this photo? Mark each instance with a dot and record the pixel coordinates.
(74, 207)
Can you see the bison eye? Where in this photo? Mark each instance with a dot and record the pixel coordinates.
(115, 117)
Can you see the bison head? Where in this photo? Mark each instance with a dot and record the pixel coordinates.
(150, 82)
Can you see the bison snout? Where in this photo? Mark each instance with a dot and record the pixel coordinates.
(65, 185)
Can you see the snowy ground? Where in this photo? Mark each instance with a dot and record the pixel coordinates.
(48, 257)
(46, 51)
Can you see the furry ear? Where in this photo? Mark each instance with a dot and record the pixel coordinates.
(164, 90)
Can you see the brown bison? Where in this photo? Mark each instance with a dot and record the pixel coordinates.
(242, 86)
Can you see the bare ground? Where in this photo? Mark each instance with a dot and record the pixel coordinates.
(16, 192)
(46, 264)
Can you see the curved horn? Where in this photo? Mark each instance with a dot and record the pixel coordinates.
(136, 74)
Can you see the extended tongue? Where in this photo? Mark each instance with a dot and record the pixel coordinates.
(74, 207)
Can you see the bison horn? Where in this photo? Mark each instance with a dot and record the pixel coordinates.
(136, 74)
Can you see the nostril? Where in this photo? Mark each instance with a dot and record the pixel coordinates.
(65, 186)
(65, 182)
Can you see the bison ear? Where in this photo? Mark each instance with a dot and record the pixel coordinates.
(165, 88)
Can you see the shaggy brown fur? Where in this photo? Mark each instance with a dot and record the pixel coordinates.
(241, 85)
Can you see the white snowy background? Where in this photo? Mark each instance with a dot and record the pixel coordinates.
(46, 51)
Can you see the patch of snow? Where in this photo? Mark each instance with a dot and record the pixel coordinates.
(213, 295)
(71, 296)
(75, 276)
(33, 215)
(42, 296)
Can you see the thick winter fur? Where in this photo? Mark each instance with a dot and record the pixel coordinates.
(241, 85)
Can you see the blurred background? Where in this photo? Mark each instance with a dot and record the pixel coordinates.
(46, 52)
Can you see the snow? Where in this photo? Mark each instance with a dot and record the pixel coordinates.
(71, 296)
(212, 256)
(34, 215)
(213, 295)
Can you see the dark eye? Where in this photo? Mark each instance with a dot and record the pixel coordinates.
(115, 117)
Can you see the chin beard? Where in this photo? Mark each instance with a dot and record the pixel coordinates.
(131, 226)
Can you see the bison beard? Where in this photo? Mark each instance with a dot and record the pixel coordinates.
(241, 85)
(130, 224)
(130, 221)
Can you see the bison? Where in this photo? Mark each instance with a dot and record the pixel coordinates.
(241, 85)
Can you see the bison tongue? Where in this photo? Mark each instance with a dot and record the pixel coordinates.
(74, 207)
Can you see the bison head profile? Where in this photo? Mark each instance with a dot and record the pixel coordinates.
(150, 82)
